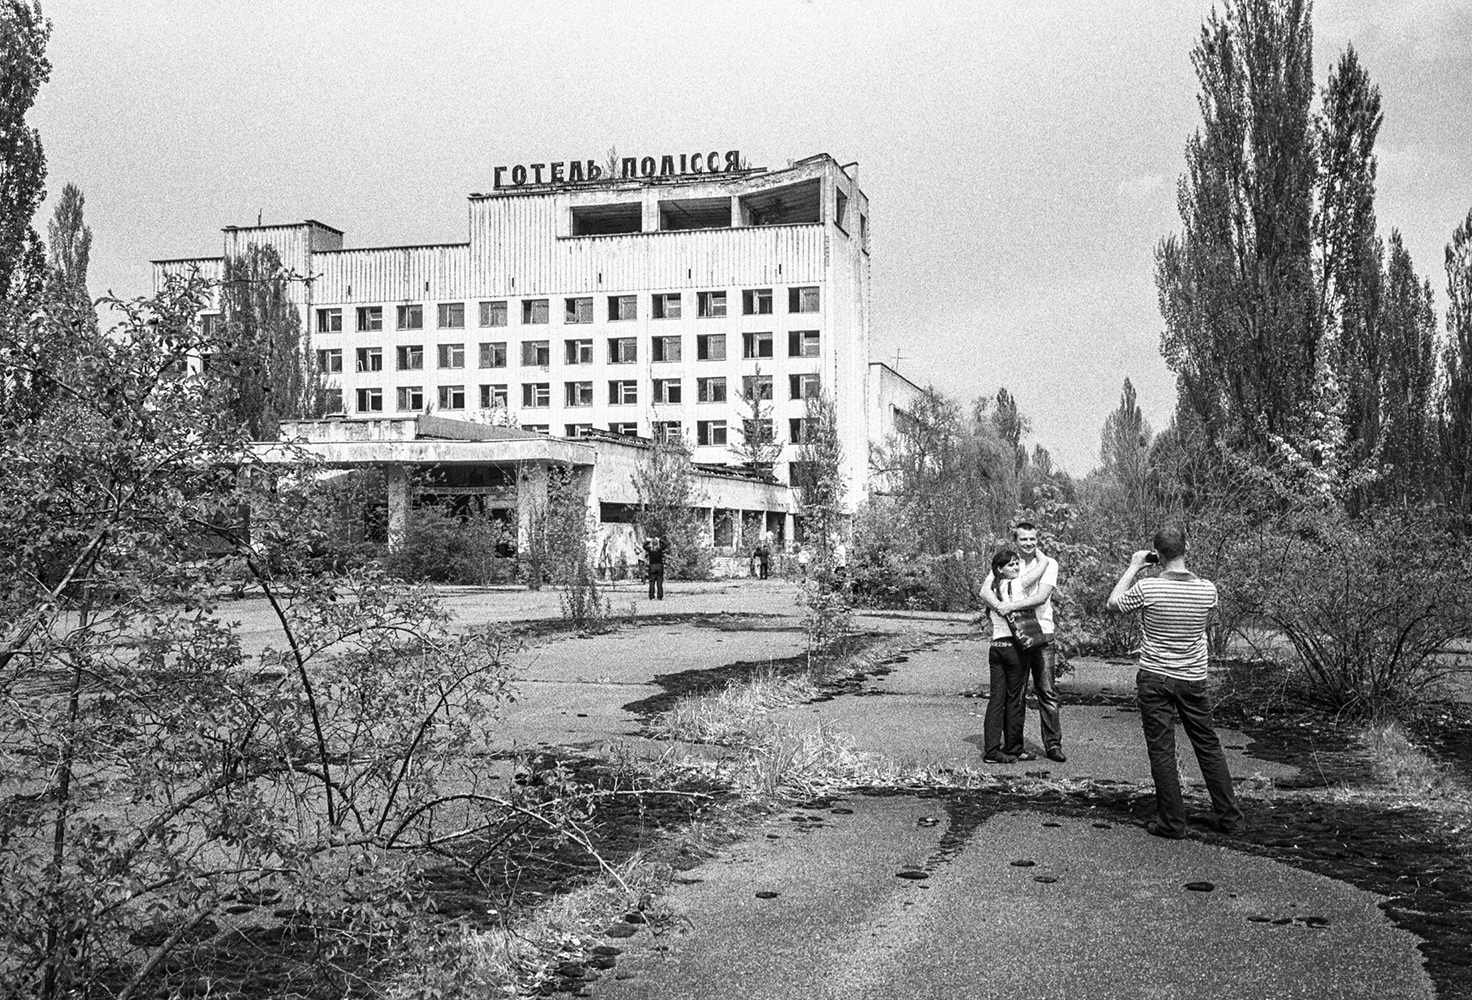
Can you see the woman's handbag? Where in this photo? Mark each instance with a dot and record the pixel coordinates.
(1027, 633)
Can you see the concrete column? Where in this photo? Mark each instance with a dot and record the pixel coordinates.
(531, 500)
(789, 528)
(397, 477)
(710, 523)
(531, 504)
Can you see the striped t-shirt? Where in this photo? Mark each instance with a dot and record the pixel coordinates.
(1175, 609)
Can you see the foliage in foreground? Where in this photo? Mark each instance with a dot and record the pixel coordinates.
(170, 781)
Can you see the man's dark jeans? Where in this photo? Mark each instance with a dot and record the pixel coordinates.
(1005, 708)
(1162, 700)
(1045, 689)
(656, 580)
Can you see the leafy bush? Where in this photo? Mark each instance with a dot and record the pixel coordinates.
(439, 547)
(1368, 605)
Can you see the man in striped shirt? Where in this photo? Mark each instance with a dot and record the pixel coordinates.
(1175, 609)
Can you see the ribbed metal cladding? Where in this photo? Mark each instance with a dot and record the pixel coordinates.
(512, 240)
(515, 250)
(393, 275)
(208, 268)
(293, 243)
(691, 259)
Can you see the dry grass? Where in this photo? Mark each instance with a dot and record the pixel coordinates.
(736, 716)
(517, 956)
(1406, 771)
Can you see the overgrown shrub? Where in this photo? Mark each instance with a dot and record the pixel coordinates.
(1368, 605)
(440, 547)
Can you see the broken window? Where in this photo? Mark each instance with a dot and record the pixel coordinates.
(534, 312)
(452, 355)
(536, 395)
(623, 350)
(802, 300)
(622, 307)
(578, 352)
(710, 390)
(667, 306)
(710, 305)
(710, 347)
(577, 310)
(756, 302)
(803, 344)
(370, 400)
(536, 353)
(493, 313)
(410, 357)
(666, 349)
(452, 315)
(411, 317)
(710, 432)
(329, 321)
(756, 345)
(493, 354)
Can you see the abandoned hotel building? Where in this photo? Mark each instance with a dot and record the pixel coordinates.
(586, 315)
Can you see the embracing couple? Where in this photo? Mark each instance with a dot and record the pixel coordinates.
(1022, 579)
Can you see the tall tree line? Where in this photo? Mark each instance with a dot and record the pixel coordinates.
(1296, 333)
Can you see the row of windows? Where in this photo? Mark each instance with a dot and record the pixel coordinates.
(621, 392)
(538, 353)
(575, 310)
(707, 432)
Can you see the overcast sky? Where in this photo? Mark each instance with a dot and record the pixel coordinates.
(1020, 157)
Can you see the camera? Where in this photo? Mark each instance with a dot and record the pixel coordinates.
(1152, 557)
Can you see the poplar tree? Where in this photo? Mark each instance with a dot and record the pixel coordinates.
(1236, 287)
(1455, 424)
(23, 68)
(1350, 250)
(258, 361)
(69, 251)
(1408, 322)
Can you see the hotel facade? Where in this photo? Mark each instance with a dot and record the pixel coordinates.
(646, 304)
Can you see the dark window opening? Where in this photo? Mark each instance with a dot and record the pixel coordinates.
(608, 220)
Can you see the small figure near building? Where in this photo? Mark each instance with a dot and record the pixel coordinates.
(654, 557)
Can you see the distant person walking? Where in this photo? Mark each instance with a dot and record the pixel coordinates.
(764, 555)
(1175, 608)
(654, 555)
(1038, 580)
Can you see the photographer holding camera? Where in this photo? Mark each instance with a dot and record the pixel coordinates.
(1175, 608)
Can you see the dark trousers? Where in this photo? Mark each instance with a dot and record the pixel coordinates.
(764, 564)
(1162, 700)
(1045, 689)
(656, 581)
(1005, 707)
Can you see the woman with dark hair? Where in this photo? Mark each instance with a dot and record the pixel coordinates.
(1010, 667)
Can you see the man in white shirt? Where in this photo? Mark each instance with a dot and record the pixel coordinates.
(1038, 595)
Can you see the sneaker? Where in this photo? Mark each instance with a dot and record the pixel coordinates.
(1024, 755)
(998, 757)
(1156, 830)
(1057, 754)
